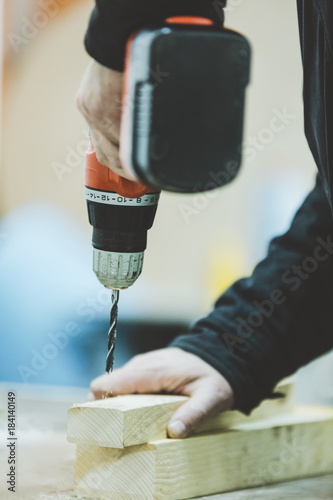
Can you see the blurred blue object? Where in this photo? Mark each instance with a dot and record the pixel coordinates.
(53, 312)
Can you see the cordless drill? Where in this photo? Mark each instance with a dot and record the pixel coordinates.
(121, 212)
(181, 131)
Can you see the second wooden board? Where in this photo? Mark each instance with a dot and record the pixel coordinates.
(257, 453)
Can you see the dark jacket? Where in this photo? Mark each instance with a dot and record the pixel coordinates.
(266, 326)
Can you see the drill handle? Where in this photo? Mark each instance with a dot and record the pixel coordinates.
(102, 178)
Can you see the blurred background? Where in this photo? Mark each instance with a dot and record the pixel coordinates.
(53, 312)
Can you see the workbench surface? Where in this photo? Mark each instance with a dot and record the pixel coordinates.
(46, 460)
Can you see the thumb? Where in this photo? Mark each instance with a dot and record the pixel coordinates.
(203, 403)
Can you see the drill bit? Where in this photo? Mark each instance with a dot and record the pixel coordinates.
(112, 334)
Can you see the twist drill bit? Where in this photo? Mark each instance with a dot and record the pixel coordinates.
(112, 334)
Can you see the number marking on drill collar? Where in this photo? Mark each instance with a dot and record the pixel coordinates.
(112, 198)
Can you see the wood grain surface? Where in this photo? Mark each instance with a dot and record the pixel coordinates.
(266, 451)
(135, 419)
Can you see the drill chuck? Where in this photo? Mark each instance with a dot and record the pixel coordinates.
(120, 224)
(117, 270)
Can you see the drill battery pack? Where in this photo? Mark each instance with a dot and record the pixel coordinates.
(183, 108)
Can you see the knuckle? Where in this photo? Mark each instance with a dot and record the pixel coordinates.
(196, 415)
(95, 386)
(81, 104)
(99, 111)
(135, 360)
(92, 107)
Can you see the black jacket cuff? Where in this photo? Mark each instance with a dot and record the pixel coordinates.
(113, 21)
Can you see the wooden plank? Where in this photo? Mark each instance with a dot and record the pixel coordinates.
(121, 421)
(254, 454)
(312, 488)
(141, 418)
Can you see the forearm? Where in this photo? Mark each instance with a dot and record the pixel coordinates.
(266, 326)
(113, 21)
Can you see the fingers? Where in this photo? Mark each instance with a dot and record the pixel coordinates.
(99, 99)
(206, 399)
(117, 382)
(124, 381)
(107, 151)
(142, 374)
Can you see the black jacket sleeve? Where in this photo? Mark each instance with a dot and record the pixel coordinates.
(113, 21)
(266, 326)
(316, 34)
